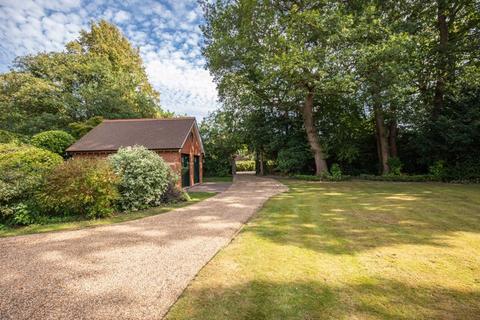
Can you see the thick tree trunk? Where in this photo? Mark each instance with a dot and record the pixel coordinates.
(442, 65)
(234, 165)
(379, 152)
(312, 135)
(262, 171)
(382, 141)
(392, 138)
(257, 162)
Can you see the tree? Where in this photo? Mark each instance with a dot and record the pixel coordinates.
(382, 57)
(294, 46)
(221, 142)
(99, 74)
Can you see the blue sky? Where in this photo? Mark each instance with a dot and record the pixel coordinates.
(166, 32)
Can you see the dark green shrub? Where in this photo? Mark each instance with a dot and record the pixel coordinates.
(336, 172)
(400, 178)
(294, 159)
(144, 177)
(81, 186)
(22, 170)
(437, 169)
(11, 137)
(326, 177)
(395, 166)
(55, 140)
(245, 165)
(79, 129)
(174, 194)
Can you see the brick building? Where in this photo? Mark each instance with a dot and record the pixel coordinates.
(176, 140)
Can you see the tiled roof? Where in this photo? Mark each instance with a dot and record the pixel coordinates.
(155, 134)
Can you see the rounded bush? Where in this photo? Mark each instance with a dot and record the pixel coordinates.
(144, 177)
(80, 186)
(22, 169)
(55, 140)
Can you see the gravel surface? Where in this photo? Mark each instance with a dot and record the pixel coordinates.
(131, 270)
(211, 187)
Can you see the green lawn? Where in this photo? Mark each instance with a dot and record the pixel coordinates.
(348, 250)
(218, 179)
(72, 223)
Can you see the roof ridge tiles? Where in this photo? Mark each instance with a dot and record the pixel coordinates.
(148, 119)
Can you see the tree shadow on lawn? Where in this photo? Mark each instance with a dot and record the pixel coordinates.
(347, 218)
(376, 299)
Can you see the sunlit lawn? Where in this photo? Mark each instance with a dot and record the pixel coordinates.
(72, 223)
(348, 250)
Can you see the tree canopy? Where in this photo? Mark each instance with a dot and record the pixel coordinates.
(365, 83)
(99, 74)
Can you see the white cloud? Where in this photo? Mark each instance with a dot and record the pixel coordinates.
(166, 32)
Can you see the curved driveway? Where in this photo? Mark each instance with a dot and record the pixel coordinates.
(131, 270)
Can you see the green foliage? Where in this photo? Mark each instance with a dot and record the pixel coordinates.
(10, 137)
(437, 169)
(294, 159)
(395, 166)
(99, 74)
(400, 178)
(22, 170)
(174, 194)
(79, 187)
(245, 165)
(372, 68)
(221, 141)
(336, 172)
(325, 177)
(144, 177)
(56, 141)
(79, 129)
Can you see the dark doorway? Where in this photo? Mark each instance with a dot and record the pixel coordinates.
(185, 170)
(196, 169)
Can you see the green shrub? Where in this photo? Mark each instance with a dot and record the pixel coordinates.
(11, 137)
(437, 169)
(400, 178)
(81, 186)
(245, 165)
(395, 166)
(325, 177)
(174, 193)
(144, 177)
(336, 172)
(79, 129)
(294, 159)
(22, 169)
(55, 140)
(463, 172)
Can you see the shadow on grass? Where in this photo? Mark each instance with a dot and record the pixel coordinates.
(347, 218)
(377, 299)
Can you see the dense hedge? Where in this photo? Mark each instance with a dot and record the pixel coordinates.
(144, 177)
(10, 137)
(307, 177)
(22, 170)
(400, 178)
(245, 165)
(79, 187)
(55, 140)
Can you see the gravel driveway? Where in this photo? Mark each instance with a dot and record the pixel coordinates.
(132, 270)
